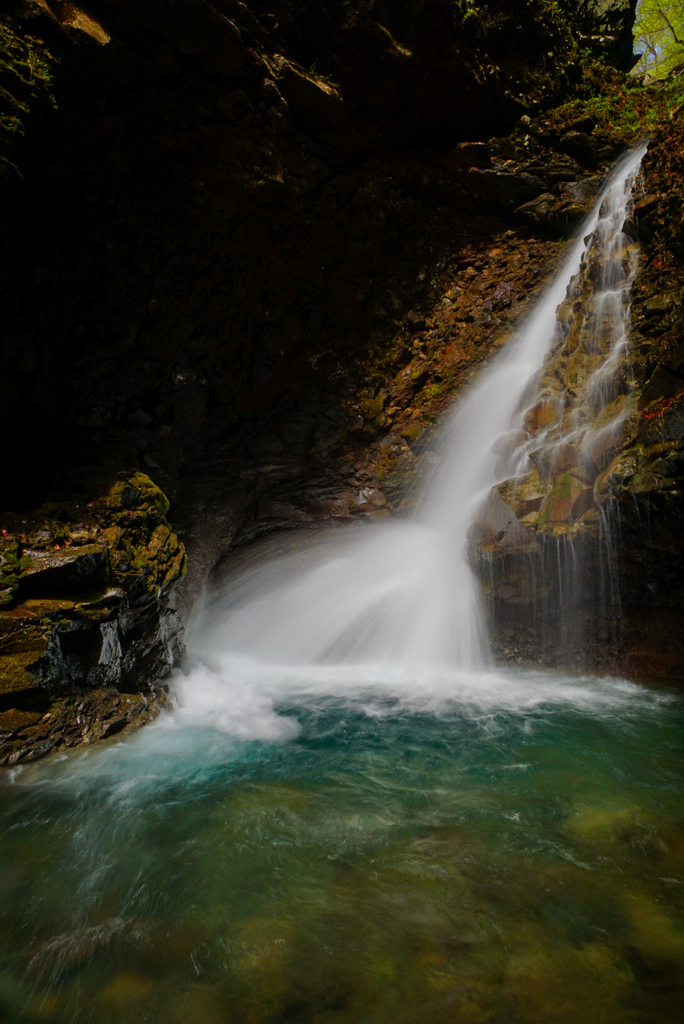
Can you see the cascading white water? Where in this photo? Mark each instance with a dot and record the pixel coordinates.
(403, 593)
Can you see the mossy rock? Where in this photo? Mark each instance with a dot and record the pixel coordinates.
(69, 572)
(22, 645)
(558, 505)
(135, 499)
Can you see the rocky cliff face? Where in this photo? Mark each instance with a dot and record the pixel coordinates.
(215, 195)
(646, 479)
(254, 249)
(601, 504)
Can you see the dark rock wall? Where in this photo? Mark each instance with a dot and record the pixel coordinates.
(84, 588)
(203, 196)
(606, 27)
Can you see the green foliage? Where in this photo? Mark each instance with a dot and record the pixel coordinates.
(627, 113)
(659, 36)
(39, 67)
(433, 391)
(26, 77)
(315, 73)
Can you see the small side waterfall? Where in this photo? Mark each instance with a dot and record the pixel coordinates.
(404, 593)
(550, 502)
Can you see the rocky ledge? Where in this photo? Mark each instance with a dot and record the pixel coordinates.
(75, 717)
(85, 588)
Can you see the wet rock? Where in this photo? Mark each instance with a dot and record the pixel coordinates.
(50, 722)
(641, 224)
(503, 189)
(581, 147)
(559, 504)
(13, 720)
(89, 614)
(509, 443)
(543, 414)
(584, 503)
(524, 494)
(663, 383)
(66, 569)
(658, 304)
(496, 526)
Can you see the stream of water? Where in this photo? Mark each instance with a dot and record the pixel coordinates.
(352, 816)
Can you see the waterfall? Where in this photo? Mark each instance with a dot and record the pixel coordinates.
(404, 593)
(552, 497)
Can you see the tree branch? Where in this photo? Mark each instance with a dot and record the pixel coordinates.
(663, 15)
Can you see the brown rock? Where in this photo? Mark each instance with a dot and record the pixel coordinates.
(663, 383)
(469, 154)
(12, 720)
(508, 443)
(316, 104)
(537, 211)
(583, 503)
(497, 526)
(543, 414)
(559, 503)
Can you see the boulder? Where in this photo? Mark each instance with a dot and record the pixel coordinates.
(524, 494)
(496, 526)
(537, 212)
(64, 570)
(503, 189)
(559, 504)
(509, 443)
(542, 414)
(581, 147)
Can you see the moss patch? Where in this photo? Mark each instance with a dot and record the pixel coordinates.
(27, 72)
